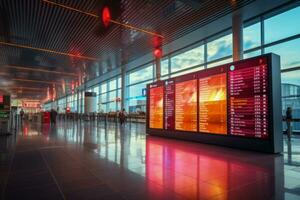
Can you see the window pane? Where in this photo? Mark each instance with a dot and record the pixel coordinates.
(136, 100)
(112, 96)
(252, 36)
(282, 25)
(113, 85)
(119, 93)
(103, 102)
(219, 48)
(215, 64)
(96, 89)
(104, 87)
(112, 107)
(252, 54)
(188, 59)
(164, 77)
(164, 65)
(187, 71)
(289, 53)
(119, 82)
(103, 98)
(141, 75)
(291, 94)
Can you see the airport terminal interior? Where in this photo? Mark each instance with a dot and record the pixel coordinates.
(148, 99)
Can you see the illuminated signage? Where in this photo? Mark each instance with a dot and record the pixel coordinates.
(186, 105)
(156, 107)
(248, 99)
(31, 104)
(232, 100)
(212, 104)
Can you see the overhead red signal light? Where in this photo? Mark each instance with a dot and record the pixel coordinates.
(157, 53)
(106, 16)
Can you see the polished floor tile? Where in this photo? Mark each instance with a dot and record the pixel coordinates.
(91, 160)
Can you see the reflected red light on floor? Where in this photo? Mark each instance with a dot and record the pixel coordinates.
(46, 129)
(25, 131)
(194, 174)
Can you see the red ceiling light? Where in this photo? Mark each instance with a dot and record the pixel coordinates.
(106, 16)
(157, 44)
(157, 53)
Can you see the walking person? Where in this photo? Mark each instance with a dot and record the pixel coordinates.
(122, 116)
(289, 118)
(53, 115)
(22, 115)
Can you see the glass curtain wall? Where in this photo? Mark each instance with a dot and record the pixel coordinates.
(280, 34)
(136, 87)
(109, 95)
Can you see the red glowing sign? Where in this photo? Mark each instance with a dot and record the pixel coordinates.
(31, 104)
(68, 109)
(157, 44)
(1, 99)
(106, 16)
(157, 53)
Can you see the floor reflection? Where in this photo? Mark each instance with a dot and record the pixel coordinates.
(145, 166)
(200, 172)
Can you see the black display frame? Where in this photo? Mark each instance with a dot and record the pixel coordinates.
(274, 142)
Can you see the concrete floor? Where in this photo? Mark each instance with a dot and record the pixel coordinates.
(87, 160)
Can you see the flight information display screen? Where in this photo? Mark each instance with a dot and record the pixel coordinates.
(156, 107)
(170, 104)
(248, 99)
(186, 105)
(212, 104)
(232, 100)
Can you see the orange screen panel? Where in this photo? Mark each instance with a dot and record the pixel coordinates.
(212, 104)
(156, 107)
(186, 106)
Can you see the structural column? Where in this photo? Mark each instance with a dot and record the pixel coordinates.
(157, 69)
(237, 36)
(123, 86)
(78, 104)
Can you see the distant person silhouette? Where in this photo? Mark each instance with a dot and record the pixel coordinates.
(53, 115)
(22, 115)
(289, 118)
(122, 116)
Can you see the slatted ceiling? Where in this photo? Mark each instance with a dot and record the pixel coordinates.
(43, 25)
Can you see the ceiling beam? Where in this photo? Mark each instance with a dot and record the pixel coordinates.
(35, 81)
(39, 70)
(48, 51)
(26, 88)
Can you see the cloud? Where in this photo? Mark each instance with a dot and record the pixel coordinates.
(219, 48)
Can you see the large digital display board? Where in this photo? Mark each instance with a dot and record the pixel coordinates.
(169, 104)
(156, 107)
(186, 105)
(229, 105)
(248, 99)
(212, 104)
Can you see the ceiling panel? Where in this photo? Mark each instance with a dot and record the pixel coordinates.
(38, 24)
